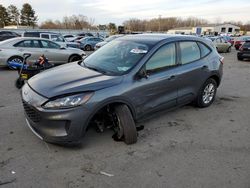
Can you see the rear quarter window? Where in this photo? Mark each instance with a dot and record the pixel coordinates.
(204, 49)
(190, 52)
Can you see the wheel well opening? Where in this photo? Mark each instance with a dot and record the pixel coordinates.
(104, 113)
(217, 79)
(74, 55)
(15, 56)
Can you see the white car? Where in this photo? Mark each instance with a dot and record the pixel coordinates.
(13, 50)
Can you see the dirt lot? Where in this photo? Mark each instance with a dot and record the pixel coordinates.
(188, 147)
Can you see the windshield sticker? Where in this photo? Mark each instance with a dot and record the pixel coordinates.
(123, 68)
(138, 51)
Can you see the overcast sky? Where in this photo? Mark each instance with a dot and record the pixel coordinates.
(105, 11)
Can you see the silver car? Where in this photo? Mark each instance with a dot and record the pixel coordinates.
(13, 50)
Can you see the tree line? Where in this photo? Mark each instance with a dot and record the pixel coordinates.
(13, 16)
(77, 22)
(164, 24)
(70, 22)
(154, 25)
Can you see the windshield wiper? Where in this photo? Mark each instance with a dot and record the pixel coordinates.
(95, 69)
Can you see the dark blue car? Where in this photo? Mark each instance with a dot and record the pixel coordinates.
(88, 43)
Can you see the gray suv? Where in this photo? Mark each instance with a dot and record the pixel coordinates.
(127, 80)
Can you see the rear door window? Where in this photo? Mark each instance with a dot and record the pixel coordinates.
(36, 44)
(48, 44)
(189, 52)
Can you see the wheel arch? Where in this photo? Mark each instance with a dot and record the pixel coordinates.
(110, 103)
(15, 56)
(216, 78)
(72, 56)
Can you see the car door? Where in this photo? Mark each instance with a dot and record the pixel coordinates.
(225, 45)
(219, 45)
(158, 89)
(194, 69)
(54, 53)
(29, 46)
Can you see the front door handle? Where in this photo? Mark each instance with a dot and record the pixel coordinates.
(172, 77)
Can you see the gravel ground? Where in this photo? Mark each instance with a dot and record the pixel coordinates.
(187, 147)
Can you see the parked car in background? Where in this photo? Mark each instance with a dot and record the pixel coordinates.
(74, 39)
(244, 51)
(228, 39)
(55, 37)
(240, 40)
(106, 40)
(68, 36)
(4, 35)
(88, 43)
(13, 50)
(127, 80)
(221, 44)
(85, 35)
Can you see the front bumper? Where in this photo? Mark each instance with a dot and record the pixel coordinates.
(55, 126)
(244, 54)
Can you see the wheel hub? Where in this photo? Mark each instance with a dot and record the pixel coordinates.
(208, 93)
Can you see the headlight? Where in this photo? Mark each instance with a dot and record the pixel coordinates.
(68, 101)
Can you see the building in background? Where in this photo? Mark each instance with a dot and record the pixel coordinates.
(17, 27)
(210, 29)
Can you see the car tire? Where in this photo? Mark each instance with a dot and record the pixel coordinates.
(87, 48)
(126, 124)
(207, 93)
(17, 59)
(74, 58)
(19, 83)
(239, 58)
(229, 49)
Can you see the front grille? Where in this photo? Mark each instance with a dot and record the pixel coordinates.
(31, 113)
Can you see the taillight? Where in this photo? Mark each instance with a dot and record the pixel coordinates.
(238, 42)
(222, 59)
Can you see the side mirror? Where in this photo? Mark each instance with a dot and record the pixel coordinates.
(142, 74)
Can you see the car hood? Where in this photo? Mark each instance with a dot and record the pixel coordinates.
(70, 78)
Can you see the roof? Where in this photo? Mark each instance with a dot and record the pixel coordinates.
(152, 39)
(215, 25)
(16, 39)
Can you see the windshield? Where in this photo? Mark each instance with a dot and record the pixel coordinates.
(116, 57)
(111, 38)
(212, 38)
(57, 38)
